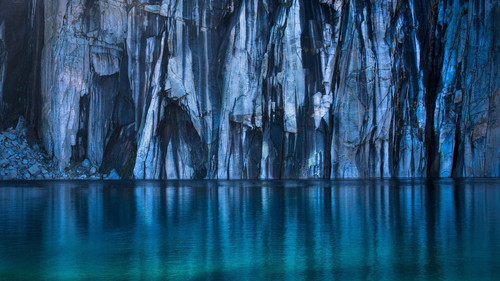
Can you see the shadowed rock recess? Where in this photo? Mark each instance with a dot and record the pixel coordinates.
(237, 89)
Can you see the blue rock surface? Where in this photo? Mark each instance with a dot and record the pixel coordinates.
(257, 88)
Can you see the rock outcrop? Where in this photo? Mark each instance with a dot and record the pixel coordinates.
(258, 88)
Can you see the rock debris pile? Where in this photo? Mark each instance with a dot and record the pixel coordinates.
(22, 158)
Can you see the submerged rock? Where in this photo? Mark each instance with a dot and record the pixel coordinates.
(260, 89)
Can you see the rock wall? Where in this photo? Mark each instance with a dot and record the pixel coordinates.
(21, 28)
(3, 62)
(264, 88)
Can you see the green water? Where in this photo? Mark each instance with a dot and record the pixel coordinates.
(250, 230)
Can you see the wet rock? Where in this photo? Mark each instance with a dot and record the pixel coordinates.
(93, 170)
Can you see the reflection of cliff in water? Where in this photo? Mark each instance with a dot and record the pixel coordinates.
(250, 230)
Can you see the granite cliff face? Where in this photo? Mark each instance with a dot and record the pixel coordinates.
(180, 89)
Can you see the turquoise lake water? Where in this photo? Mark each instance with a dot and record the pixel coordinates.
(251, 230)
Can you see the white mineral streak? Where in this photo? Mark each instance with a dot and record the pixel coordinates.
(147, 165)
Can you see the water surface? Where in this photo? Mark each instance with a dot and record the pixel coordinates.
(248, 230)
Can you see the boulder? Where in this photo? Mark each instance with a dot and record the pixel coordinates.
(34, 170)
(86, 163)
(113, 175)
